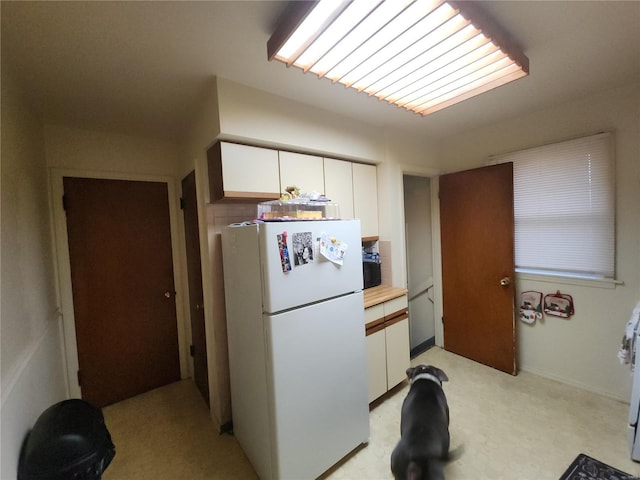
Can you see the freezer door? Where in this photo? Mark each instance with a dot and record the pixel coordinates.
(311, 277)
(318, 385)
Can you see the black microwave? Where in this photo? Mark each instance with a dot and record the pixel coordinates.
(371, 273)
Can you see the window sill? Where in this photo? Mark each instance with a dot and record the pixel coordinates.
(567, 279)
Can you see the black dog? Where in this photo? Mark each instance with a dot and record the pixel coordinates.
(423, 449)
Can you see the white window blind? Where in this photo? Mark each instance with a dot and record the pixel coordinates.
(564, 207)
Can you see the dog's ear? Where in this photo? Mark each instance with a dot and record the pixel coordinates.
(440, 374)
(409, 372)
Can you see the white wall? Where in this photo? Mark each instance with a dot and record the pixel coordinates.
(269, 120)
(32, 361)
(94, 151)
(201, 134)
(581, 350)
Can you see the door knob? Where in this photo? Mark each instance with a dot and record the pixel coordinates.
(167, 294)
(505, 281)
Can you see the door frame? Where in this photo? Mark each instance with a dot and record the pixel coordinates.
(63, 266)
(437, 260)
(432, 174)
(188, 296)
(408, 262)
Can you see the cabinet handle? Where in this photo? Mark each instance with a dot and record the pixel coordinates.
(395, 320)
(374, 329)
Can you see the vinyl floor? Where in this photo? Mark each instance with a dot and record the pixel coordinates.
(523, 427)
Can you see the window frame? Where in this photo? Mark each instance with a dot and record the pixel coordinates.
(567, 276)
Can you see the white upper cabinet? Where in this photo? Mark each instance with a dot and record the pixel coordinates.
(243, 172)
(338, 185)
(365, 198)
(304, 171)
(239, 172)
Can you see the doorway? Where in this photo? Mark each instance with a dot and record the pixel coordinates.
(198, 348)
(419, 258)
(123, 287)
(171, 276)
(477, 231)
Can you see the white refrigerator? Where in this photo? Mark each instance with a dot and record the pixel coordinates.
(295, 326)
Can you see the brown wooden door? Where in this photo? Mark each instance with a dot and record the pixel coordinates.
(196, 296)
(476, 219)
(123, 287)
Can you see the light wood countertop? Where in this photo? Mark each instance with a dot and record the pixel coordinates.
(380, 294)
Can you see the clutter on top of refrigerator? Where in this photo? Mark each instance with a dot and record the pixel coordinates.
(295, 205)
(298, 209)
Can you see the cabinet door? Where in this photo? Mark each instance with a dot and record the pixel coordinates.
(304, 171)
(374, 314)
(365, 198)
(241, 172)
(398, 360)
(338, 185)
(377, 364)
(395, 307)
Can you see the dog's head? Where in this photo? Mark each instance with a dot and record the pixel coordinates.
(426, 371)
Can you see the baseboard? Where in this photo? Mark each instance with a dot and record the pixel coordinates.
(422, 347)
(573, 383)
(226, 428)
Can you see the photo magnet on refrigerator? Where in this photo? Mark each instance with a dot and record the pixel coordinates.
(285, 261)
(302, 248)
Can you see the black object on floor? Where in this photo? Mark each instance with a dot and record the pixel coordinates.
(68, 441)
(585, 467)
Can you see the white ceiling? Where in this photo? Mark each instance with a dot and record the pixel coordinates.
(141, 67)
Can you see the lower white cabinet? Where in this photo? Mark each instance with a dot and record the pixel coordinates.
(398, 349)
(387, 330)
(377, 364)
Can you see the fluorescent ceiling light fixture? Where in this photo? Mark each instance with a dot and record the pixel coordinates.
(422, 55)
